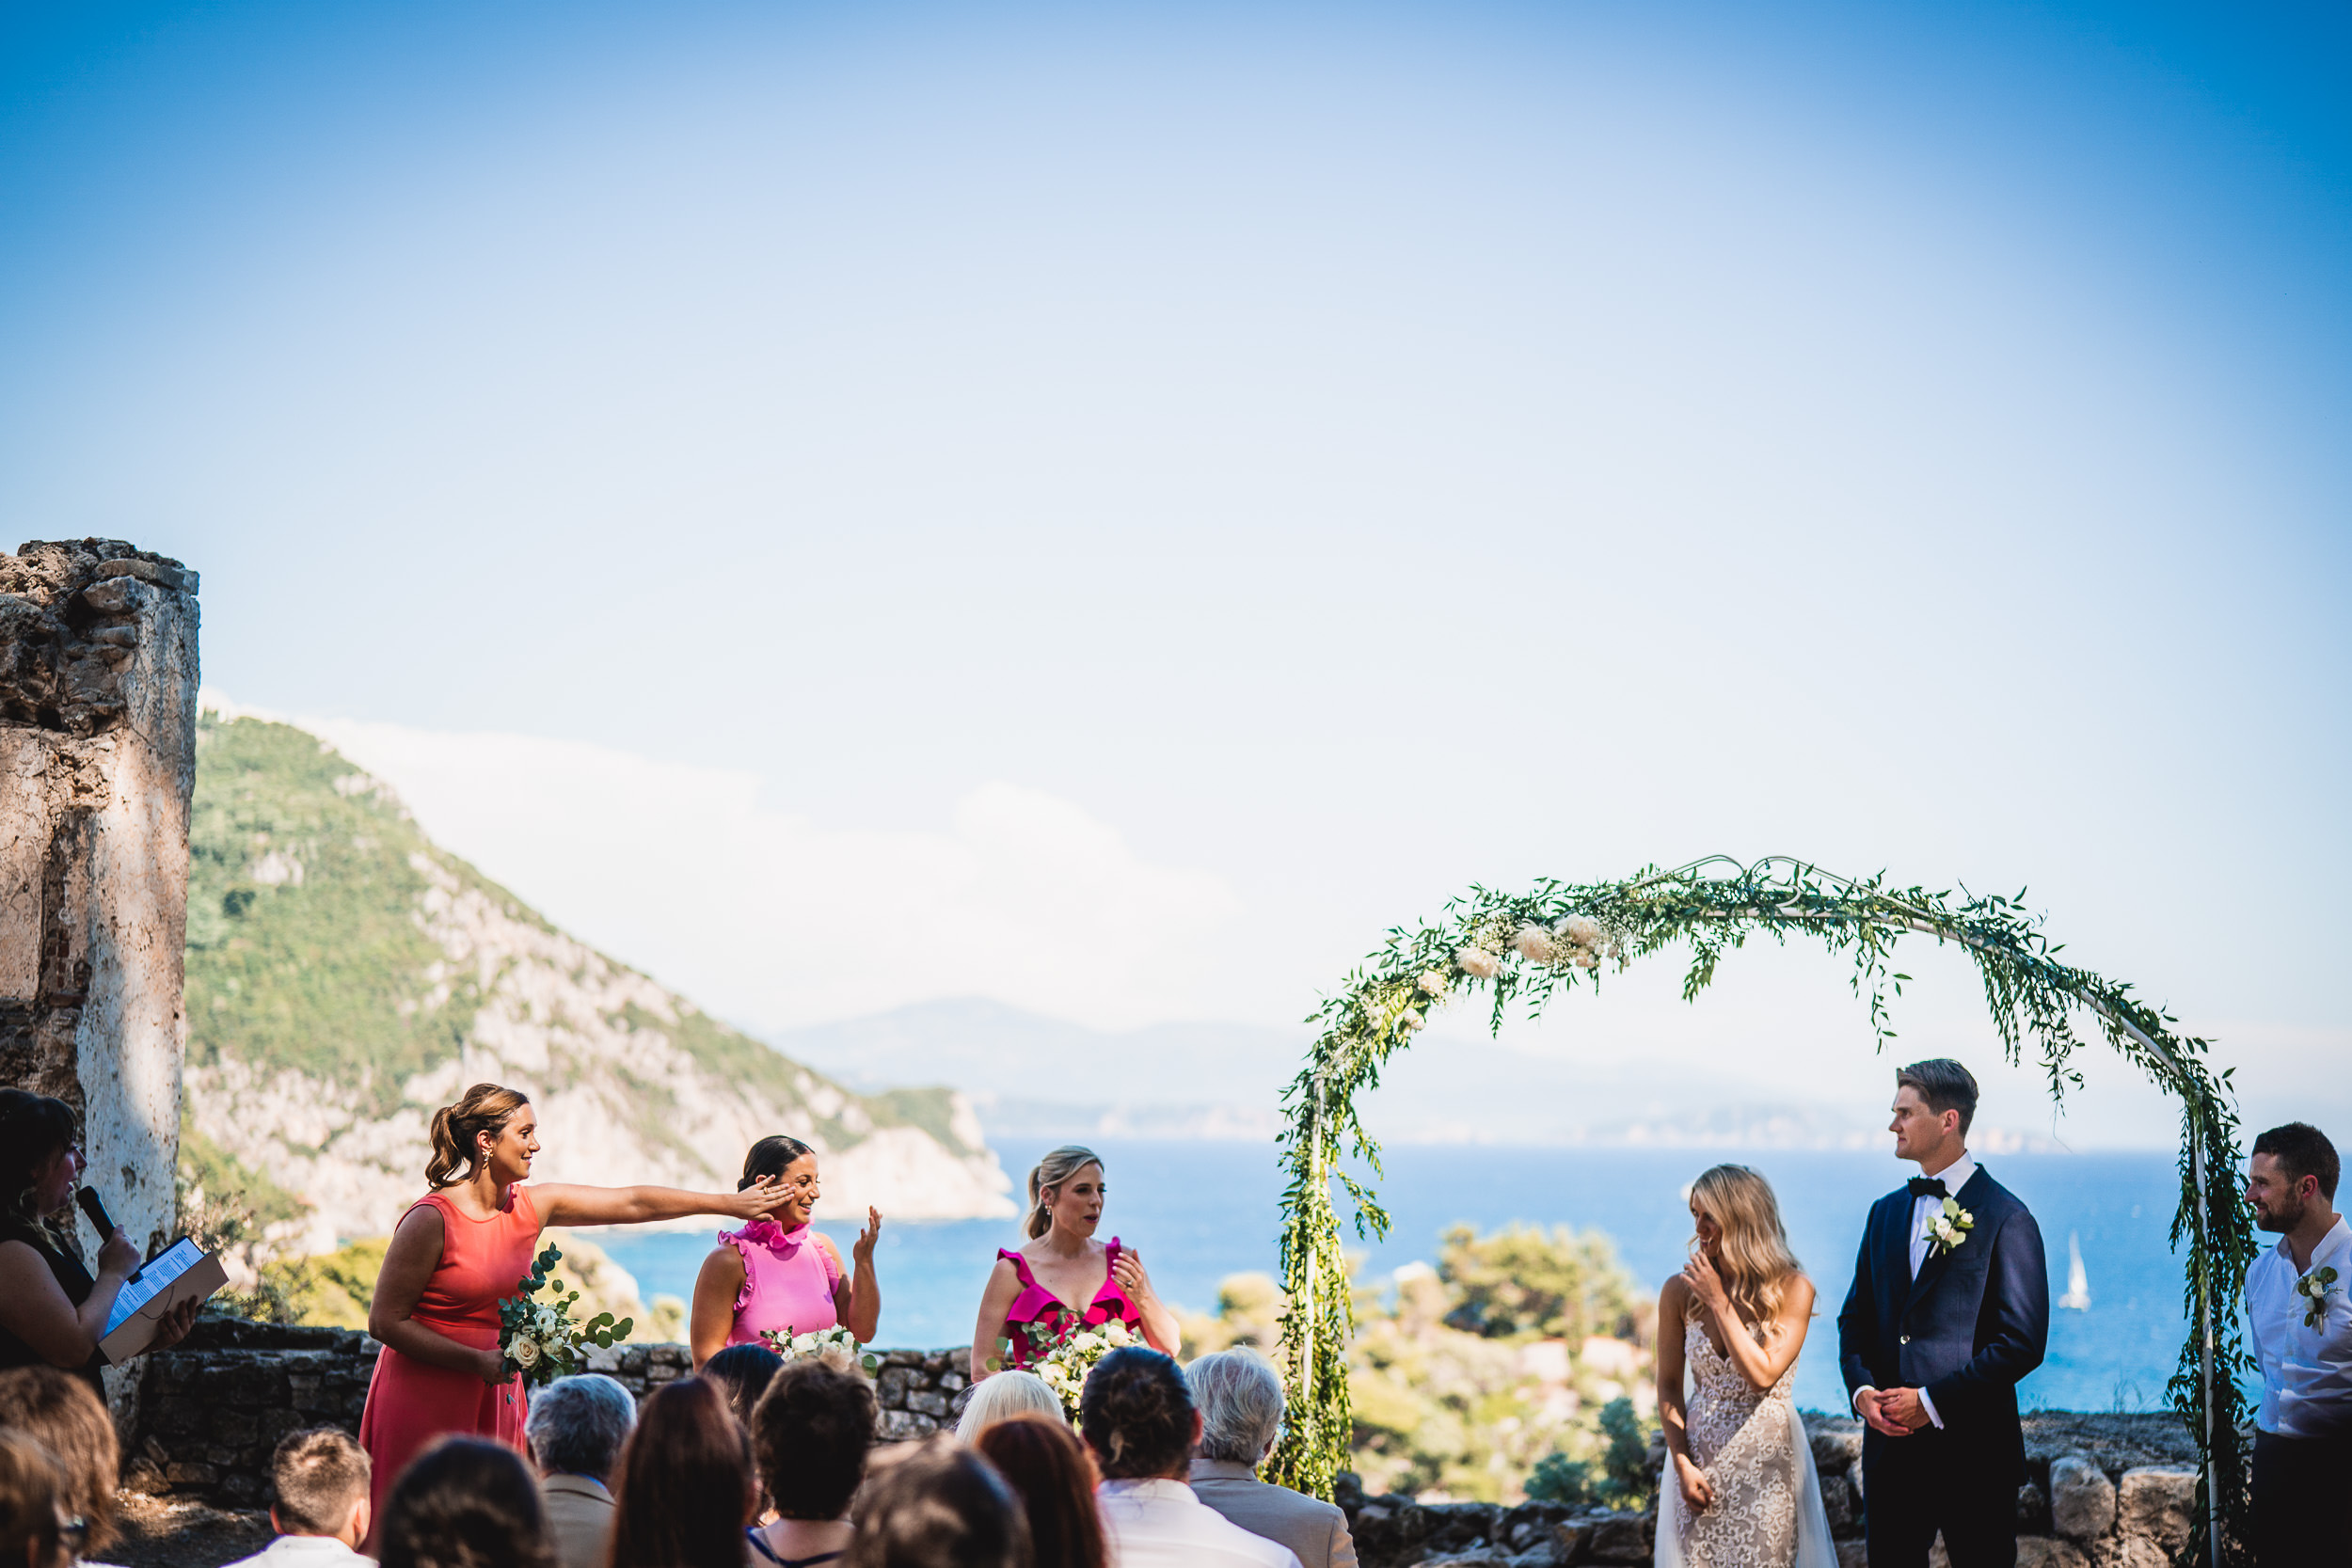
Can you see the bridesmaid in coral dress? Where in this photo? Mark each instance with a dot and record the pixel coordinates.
(461, 1249)
(778, 1274)
(1064, 1276)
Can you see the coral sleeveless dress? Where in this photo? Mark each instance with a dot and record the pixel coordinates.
(788, 1282)
(411, 1402)
(1039, 1306)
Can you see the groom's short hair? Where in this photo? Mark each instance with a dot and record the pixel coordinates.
(2302, 1150)
(1945, 1085)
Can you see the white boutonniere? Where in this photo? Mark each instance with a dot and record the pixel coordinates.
(1948, 1229)
(2316, 1288)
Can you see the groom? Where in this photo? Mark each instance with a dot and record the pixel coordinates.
(1950, 1307)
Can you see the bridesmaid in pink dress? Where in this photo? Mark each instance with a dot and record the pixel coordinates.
(462, 1248)
(1064, 1276)
(779, 1273)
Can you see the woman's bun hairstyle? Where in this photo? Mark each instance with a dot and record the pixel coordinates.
(456, 1128)
(769, 1156)
(1049, 1174)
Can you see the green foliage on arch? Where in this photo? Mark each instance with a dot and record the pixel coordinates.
(1528, 948)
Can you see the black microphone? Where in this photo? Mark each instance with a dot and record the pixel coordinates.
(88, 1197)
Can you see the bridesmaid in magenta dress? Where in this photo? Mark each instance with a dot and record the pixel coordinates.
(462, 1248)
(778, 1274)
(1064, 1277)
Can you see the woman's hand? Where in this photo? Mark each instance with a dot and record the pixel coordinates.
(761, 1199)
(1696, 1489)
(176, 1324)
(118, 1255)
(1128, 1268)
(1708, 1286)
(490, 1365)
(862, 1250)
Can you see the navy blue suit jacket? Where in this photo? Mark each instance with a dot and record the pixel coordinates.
(1975, 1321)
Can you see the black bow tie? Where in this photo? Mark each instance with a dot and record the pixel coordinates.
(1928, 1186)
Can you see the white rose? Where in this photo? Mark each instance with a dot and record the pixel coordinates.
(1411, 1017)
(1580, 930)
(525, 1352)
(1586, 959)
(1431, 982)
(1535, 945)
(1086, 1342)
(804, 1344)
(1119, 1337)
(1478, 961)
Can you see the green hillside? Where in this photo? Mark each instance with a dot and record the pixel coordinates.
(307, 950)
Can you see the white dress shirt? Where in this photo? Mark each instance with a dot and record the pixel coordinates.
(1160, 1523)
(305, 1551)
(1927, 1206)
(2307, 1371)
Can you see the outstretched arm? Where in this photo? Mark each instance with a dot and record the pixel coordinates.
(2017, 1298)
(567, 1203)
(1003, 1286)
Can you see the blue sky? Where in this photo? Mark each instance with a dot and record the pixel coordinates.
(1129, 501)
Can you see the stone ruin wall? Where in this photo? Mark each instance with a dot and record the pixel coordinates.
(2108, 1491)
(98, 680)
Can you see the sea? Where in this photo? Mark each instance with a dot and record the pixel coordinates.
(1197, 1212)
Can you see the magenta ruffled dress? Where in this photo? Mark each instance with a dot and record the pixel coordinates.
(1038, 1304)
(788, 1282)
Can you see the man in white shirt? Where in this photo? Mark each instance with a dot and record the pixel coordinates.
(321, 1512)
(2301, 1335)
(1139, 1417)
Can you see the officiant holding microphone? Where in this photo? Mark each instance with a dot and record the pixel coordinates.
(53, 1308)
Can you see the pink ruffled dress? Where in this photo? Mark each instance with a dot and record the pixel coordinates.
(788, 1281)
(1038, 1304)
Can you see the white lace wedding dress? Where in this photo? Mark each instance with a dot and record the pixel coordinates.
(1751, 1443)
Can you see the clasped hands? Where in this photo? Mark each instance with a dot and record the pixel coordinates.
(1896, 1412)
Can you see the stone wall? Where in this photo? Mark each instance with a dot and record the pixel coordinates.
(2108, 1491)
(98, 680)
(214, 1407)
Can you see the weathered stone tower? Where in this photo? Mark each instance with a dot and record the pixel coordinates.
(97, 676)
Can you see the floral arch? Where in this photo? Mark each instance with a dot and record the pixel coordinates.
(1529, 947)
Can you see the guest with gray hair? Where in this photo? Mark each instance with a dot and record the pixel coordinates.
(1240, 1397)
(576, 1428)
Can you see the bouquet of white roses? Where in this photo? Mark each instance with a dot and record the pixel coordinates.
(836, 1347)
(539, 1339)
(1069, 1358)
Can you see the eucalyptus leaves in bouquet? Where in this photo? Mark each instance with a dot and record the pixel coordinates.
(540, 1338)
(1063, 1360)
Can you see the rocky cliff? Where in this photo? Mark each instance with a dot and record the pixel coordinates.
(345, 977)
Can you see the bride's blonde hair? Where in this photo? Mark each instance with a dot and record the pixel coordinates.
(1753, 1257)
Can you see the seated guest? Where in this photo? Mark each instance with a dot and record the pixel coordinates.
(576, 1428)
(58, 1411)
(742, 1372)
(1138, 1419)
(939, 1505)
(465, 1502)
(1055, 1477)
(320, 1481)
(1240, 1400)
(1001, 1398)
(810, 1434)
(32, 1529)
(686, 1482)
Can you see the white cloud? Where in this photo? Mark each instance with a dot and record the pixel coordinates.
(772, 919)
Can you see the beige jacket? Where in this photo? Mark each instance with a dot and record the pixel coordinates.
(580, 1517)
(1314, 1531)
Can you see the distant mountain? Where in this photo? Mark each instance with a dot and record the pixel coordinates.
(1039, 1079)
(345, 977)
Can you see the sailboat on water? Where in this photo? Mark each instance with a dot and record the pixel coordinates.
(2077, 1296)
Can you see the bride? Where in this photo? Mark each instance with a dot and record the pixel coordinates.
(1739, 1490)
